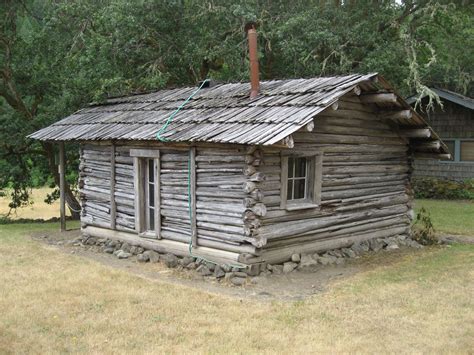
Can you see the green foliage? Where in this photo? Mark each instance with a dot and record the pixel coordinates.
(56, 56)
(443, 189)
(423, 230)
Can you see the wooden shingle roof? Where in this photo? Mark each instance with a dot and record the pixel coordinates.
(221, 114)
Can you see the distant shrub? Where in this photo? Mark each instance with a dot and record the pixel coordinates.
(443, 189)
(423, 230)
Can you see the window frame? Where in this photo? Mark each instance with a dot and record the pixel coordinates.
(312, 199)
(141, 158)
(456, 155)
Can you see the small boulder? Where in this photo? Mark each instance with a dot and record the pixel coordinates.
(238, 281)
(392, 246)
(277, 269)
(336, 252)
(143, 258)
(204, 270)
(289, 267)
(126, 247)
(240, 274)
(296, 258)
(210, 266)
(218, 272)
(123, 255)
(170, 260)
(375, 244)
(116, 252)
(348, 253)
(227, 268)
(191, 266)
(186, 260)
(152, 255)
(109, 250)
(365, 245)
(307, 261)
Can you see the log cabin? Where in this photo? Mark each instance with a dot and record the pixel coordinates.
(248, 173)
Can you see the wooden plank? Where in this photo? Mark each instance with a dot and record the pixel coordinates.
(374, 98)
(284, 181)
(415, 133)
(113, 204)
(145, 153)
(62, 186)
(396, 115)
(192, 182)
(138, 193)
(157, 196)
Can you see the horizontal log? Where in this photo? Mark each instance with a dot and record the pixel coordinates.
(416, 133)
(396, 115)
(376, 98)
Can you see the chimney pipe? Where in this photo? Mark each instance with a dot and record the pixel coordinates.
(253, 56)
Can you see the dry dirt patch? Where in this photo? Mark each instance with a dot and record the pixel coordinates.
(296, 285)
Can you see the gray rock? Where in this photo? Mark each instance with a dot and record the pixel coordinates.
(376, 244)
(277, 269)
(143, 258)
(218, 272)
(365, 245)
(210, 266)
(238, 281)
(296, 258)
(170, 260)
(340, 261)
(414, 244)
(327, 259)
(348, 253)
(255, 280)
(204, 270)
(240, 274)
(336, 252)
(307, 261)
(90, 241)
(101, 241)
(109, 250)
(116, 252)
(228, 275)
(152, 255)
(191, 266)
(186, 260)
(133, 250)
(392, 246)
(226, 268)
(289, 267)
(123, 255)
(126, 247)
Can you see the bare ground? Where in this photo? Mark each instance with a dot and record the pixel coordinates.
(295, 286)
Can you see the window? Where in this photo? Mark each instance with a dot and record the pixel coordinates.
(297, 178)
(301, 177)
(467, 151)
(462, 150)
(150, 195)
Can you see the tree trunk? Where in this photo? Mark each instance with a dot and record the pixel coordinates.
(71, 200)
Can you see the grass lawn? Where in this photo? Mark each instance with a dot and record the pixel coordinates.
(456, 217)
(37, 210)
(53, 302)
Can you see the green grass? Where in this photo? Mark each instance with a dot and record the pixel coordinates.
(455, 217)
(53, 302)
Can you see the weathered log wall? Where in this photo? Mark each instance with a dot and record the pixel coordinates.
(365, 187)
(220, 193)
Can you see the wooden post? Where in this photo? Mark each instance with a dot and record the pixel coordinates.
(113, 205)
(192, 167)
(62, 186)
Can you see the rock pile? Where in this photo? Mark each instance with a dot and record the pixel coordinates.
(236, 276)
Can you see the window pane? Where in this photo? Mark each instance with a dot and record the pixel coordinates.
(151, 173)
(291, 162)
(299, 188)
(151, 217)
(300, 167)
(467, 150)
(151, 195)
(289, 193)
(450, 145)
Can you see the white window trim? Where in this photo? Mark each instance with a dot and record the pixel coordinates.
(140, 157)
(314, 181)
